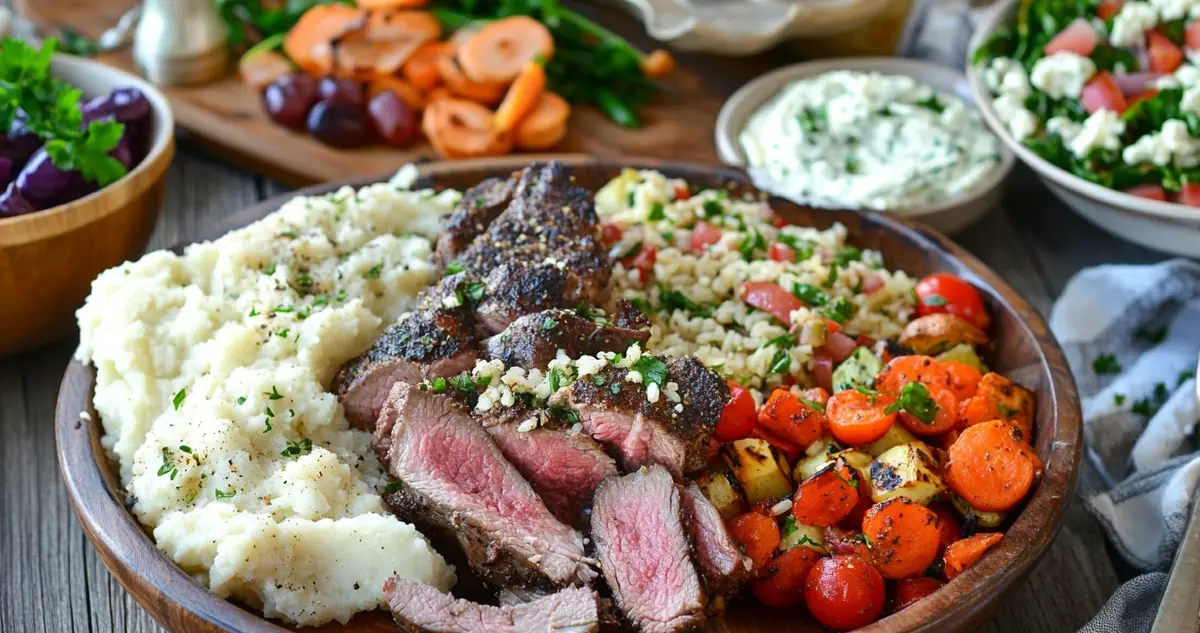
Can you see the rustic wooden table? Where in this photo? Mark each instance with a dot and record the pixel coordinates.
(51, 581)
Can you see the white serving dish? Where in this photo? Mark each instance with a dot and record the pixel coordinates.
(1162, 226)
(948, 216)
(741, 27)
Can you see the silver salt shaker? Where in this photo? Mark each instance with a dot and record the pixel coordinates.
(180, 42)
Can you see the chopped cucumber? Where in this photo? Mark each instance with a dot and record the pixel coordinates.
(859, 370)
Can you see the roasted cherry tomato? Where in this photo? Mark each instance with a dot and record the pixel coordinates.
(844, 592)
(907, 592)
(943, 292)
(738, 418)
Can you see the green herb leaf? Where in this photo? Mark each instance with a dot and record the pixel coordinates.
(549, 324)
(915, 399)
(374, 272)
(657, 212)
(221, 494)
(1106, 364)
(832, 278)
(1119, 399)
(391, 488)
(179, 398)
(652, 370)
(454, 267)
(813, 404)
(297, 448)
(672, 300)
(475, 291)
(1155, 336)
(241, 400)
(840, 310)
(274, 395)
(811, 295)
(935, 301)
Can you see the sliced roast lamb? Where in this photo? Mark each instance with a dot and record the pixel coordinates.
(432, 341)
(533, 340)
(480, 205)
(542, 252)
(718, 556)
(619, 414)
(564, 467)
(420, 608)
(453, 477)
(638, 528)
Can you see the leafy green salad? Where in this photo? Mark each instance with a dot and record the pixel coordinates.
(1108, 90)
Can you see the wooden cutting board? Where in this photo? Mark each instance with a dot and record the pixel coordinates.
(226, 117)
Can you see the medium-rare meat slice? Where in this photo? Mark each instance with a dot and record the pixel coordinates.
(432, 341)
(420, 608)
(533, 340)
(619, 414)
(453, 477)
(718, 556)
(564, 467)
(542, 252)
(480, 205)
(638, 528)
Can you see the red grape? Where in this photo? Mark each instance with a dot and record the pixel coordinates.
(338, 125)
(288, 99)
(393, 119)
(341, 91)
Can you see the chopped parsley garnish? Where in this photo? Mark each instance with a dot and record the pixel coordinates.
(866, 540)
(268, 428)
(752, 242)
(804, 248)
(253, 312)
(840, 310)
(374, 272)
(810, 294)
(657, 212)
(556, 379)
(221, 494)
(269, 413)
(712, 208)
(295, 449)
(289, 234)
(454, 267)
(479, 202)
(599, 380)
(1184, 377)
(437, 385)
(934, 301)
(564, 413)
(392, 487)
(1106, 364)
(283, 333)
(630, 199)
(241, 400)
(915, 399)
(549, 324)
(283, 310)
(615, 388)
(1119, 398)
(783, 340)
(932, 103)
(463, 382)
(789, 526)
(185, 448)
(1007, 411)
(672, 300)
(652, 370)
(168, 466)
(179, 398)
(811, 119)
(1155, 336)
(274, 395)
(270, 270)
(846, 255)
(474, 291)
(781, 362)
(813, 404)
(852, 166)
(831, 279)
(633, 250)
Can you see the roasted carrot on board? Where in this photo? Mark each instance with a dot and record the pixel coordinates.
(501, 49)
(522, 96)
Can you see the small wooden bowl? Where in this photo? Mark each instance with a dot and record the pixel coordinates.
(49, 258)
(1025, 351)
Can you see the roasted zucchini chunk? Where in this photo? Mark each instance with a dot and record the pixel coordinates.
(797, 534)
(964, 354)
(933, 334)
(859, 370)
(721, 489)
(908, 470)
(895, 436)
(982, 519)
(757, 470)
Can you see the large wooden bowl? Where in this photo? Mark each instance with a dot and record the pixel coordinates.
(1025, 351)
(49, 258)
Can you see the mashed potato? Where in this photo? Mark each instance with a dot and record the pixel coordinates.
(212, 376)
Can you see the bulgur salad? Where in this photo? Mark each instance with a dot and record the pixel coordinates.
(1107, 90)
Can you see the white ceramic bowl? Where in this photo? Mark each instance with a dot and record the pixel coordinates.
(948, 216)
(1162, 226)
(747, 27)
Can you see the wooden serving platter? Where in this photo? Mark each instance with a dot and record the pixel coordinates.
(1025, 350)
(226, 117)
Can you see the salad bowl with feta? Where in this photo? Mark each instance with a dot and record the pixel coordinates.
(1102, 99)
(892, 135)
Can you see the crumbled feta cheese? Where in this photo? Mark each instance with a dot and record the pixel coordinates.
(1065, 128)
(634, 376)
(1171, 144)
(1174, 9)
(1185, 76)
(1020, 122)
(652, 392)
(781, 507)
(1062, 74)
(1007, 76)
(679, 408)
(1131, 24)
(451, 301)
(1102, 130)
(1190, 101)
(528, 425)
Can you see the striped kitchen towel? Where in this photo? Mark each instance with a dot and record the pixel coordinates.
(1132, 336)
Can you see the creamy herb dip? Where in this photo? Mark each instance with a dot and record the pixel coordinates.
(867, 140)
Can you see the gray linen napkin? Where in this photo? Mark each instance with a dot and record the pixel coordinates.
(1141, 413)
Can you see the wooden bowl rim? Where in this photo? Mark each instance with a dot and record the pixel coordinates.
(99, 204)
(174, 599)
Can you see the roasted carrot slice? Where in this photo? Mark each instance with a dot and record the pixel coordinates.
(905, 369)
(546, 125)
(966, 552)
(828, 496)
(990, 466)
(374, 5)
(421, 68)
(944, 418)
(787, 416)
(998, 398)
(522, 96)
(949, 527)
(960, 378)
(441, 92)
(406, 91)
(461, 129)
(310, 42)
(501, 49)
(261, 69)
(904, 537)
(758, 534)
(857, 418)
(403, 25)
(658, 64)
(458, 83)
